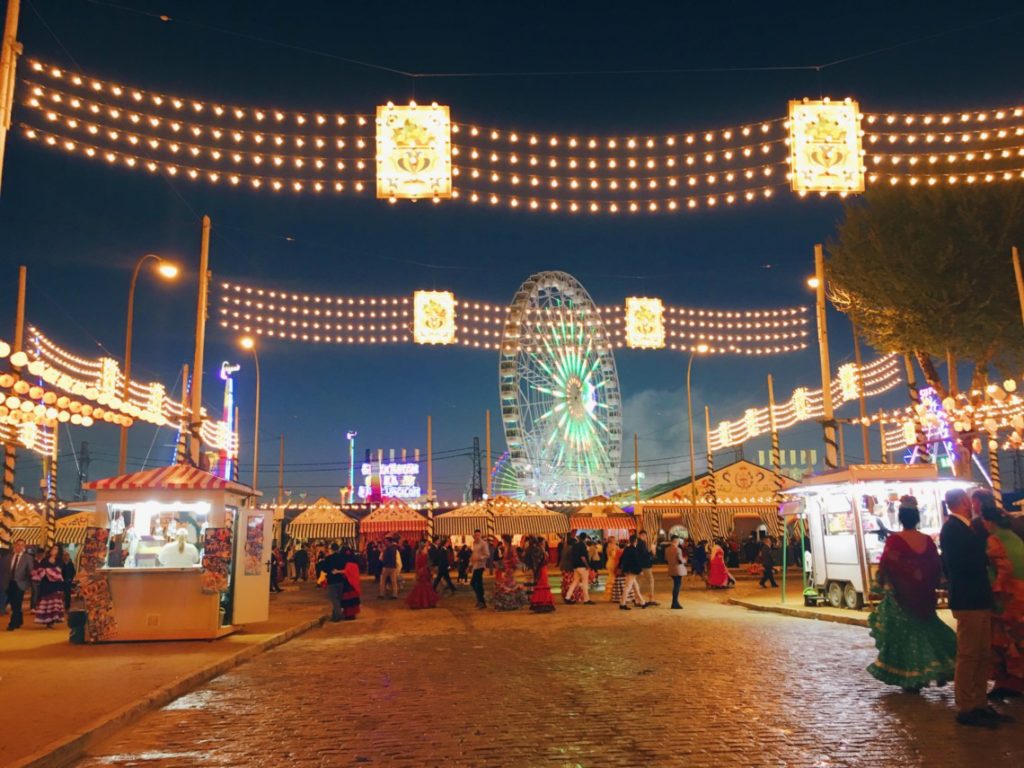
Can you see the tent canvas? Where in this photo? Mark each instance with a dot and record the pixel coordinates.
(501, 516)
(322, 520)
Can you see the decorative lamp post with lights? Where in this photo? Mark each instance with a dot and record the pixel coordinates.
(168, 271)
(700, 349)
(249, 343)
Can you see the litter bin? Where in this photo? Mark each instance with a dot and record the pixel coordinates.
(76, 626)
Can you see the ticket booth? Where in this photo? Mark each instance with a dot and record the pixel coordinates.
(174, 553)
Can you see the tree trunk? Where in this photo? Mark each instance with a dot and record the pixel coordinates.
(931, 375)
(979, 380)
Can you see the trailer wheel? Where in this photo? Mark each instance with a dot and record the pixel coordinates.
(834, 591)
(853, 599)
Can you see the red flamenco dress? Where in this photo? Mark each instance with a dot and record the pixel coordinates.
(540, 599)
(423, 594)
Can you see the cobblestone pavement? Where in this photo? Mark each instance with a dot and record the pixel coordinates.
(587, 686)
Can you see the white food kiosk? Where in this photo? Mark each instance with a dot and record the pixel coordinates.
(173, 554)
(849, 513)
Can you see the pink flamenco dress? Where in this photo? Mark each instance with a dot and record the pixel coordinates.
(423, 594)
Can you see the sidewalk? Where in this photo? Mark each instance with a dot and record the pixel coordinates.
(59, 696)
(752, 597)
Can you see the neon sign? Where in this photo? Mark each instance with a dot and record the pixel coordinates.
(390, 480)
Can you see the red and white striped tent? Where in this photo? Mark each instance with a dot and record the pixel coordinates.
(501, 516)
(602, 515)
(174, 477)
(322, 520)
(393, 516)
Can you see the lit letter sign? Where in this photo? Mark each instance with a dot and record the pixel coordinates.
(434, 317)
(414, 152)
(398, 480)
(645, 323)
(825, 146)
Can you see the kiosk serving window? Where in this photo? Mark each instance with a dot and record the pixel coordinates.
(153, 534)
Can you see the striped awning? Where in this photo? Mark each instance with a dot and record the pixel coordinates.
(307, 531)
(34, 536)
(70, 534)
(502, 516)
(607, 523)
(174, 477)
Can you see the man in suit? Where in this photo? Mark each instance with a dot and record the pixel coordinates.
(676, 561)
(18, 573)
(970, 599)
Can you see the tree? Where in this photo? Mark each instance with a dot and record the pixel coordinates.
(927, 271)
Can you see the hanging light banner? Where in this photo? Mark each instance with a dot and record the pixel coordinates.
(434, 317)
(825, 146)
(414, 152)
(645, 323)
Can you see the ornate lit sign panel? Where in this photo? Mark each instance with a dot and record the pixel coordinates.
(390, 480)
(414, 152)
(434, 317)
(645, 323)
(825, 146)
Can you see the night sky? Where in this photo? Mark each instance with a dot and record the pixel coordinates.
(80, 226)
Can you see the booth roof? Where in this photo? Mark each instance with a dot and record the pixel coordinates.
(322, 511)
(174, 477)
(392, 516)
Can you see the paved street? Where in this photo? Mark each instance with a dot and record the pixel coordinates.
(712, 685)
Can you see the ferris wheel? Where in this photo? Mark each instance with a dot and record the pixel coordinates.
(560, 401)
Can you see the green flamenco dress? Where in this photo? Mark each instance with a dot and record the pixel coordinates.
(912, 652)
(914, 647)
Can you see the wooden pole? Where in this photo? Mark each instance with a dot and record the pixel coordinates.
(864, 437)
(828, 419)
(280, 470)
(430, 458)
(490, 479)
(182, 449)
(921, 453)
(881, 437)
(1020, 279)
(10, 451)
(10, 49)
(636, 468)
(716, 525)
(842, 444)
(195, 444)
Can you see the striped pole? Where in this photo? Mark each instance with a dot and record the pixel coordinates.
(492, 527)
(773, 522)
(993, 469)
(716, 523)
(7, 513)
(181, 451)
(51, 492)
(921, 454)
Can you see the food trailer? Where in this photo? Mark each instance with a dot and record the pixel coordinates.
(173, 553)
(849, 513)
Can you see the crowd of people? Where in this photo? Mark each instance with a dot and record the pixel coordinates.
(48, 575)
(982, 567)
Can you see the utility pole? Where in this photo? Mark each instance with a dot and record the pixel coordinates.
(864, 437)
(83, 470)
(10, 451)
(196, 421)
(476, 490)
(490, 466)
(10, 49)
(827, 419)
(280, 470)
(1020, 279)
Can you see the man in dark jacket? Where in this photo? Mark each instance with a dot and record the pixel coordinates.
(970, 598)
(632, 565)
(439, 559)
(301, 561)
(580, 562)
(332, 567)
(767, 563)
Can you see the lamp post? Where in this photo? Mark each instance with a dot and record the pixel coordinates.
(699, 349)
(168, 271)
(249, 343)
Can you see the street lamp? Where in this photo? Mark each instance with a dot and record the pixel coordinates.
(168, 271)
(249, 343)
(699, 349)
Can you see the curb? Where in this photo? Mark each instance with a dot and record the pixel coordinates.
(66, 750)
(801, 613)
